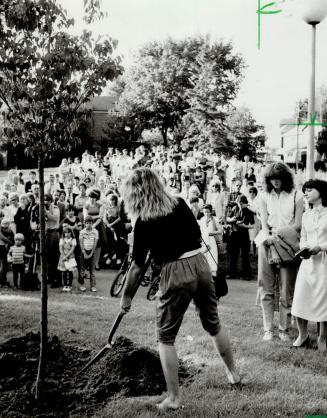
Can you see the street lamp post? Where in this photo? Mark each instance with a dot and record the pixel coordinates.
(313, 13)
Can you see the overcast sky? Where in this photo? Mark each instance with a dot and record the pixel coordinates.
(277, 75)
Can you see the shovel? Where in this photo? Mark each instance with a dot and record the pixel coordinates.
(108, 346)
(116, 323)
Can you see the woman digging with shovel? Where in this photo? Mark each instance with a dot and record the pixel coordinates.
(166, 228)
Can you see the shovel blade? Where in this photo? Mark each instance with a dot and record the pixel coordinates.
(96, 358)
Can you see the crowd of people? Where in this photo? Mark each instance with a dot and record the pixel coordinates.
(242, 208)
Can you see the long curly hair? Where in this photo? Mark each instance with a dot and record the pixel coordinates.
(145, 195)
(320, 186)
(281, 171)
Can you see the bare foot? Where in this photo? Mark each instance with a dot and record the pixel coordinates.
(167, 404)
(233, 377)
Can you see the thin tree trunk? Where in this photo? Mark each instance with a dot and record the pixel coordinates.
(39, 393)
(164, 136)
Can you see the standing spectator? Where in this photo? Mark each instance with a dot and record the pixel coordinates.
(95, 209)
(215, 199)
(6, 240)
(67, 263)
(241, 220)
(69, 194)
(81, 200)
(234, 194)
(209, 226)
(76, 183)
(195, 208)
(200, 179)
(18, 185)
(254, 208)
(88, 239)
(310, 295)
(75, 224)
(115, 229)
(36, 192)
(50, 186)
(250, 176)
(32, 180)
(16, 256)
(52, 240)
(64, 170)
(60, 203)
(22, 220)
(12, 210)
(280, 206)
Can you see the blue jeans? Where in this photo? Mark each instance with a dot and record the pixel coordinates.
(87, 264)
(267, 278)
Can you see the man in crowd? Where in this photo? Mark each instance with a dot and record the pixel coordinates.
(52, 216)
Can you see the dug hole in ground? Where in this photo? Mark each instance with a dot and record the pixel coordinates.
(127, 370)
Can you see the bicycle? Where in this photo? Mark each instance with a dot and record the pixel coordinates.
(119, 280)
(154, 282)
(151, 276)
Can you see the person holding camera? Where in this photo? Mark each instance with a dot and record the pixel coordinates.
(310, 295)
(241, 220)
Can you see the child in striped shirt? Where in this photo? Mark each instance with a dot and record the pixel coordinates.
(88, 238)
(16, 255)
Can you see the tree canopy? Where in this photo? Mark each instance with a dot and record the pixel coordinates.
(47, 74)
(244, 133)
(185, 87)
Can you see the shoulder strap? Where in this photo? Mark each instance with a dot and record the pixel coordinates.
(294, 204)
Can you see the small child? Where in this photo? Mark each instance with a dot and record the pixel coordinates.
(67, 263)
(6, 240)
(88, 239)
(16, 256)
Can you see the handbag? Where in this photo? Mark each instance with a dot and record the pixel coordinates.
(70, 264)
(221, 286)
(226, 233)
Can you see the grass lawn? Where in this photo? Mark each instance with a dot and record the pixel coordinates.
(279, 381)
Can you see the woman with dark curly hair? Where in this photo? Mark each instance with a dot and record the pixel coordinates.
(281, 206)
(310, 296)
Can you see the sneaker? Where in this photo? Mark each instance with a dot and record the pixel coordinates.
(93, 289)
(64, 289)
(283, 336)
(82, 288)
(268, 336)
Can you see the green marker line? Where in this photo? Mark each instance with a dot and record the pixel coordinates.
(260, 12)
(312, 122)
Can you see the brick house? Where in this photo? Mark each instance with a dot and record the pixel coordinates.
(103, 108)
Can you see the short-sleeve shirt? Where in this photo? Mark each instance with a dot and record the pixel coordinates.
(17, 254)
(281, 208)
(167, 237)
(88, 238)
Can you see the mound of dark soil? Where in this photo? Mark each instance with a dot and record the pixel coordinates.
(127, 370)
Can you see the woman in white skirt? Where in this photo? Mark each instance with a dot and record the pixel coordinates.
(310, 295)
(210, 228)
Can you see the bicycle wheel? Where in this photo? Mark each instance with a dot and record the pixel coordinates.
(153, 289)
(119, 281)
